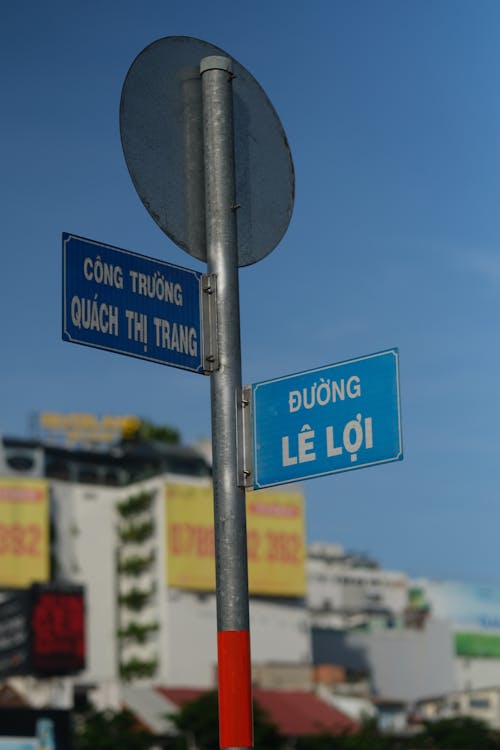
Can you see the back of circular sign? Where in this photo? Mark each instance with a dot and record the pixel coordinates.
(161, 129)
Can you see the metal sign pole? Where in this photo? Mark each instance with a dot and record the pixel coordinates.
(233, 637)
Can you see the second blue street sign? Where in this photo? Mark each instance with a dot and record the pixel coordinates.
(127, 303)
(334, 418)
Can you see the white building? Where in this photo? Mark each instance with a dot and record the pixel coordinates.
(359, 619)
(346, 591)
(173, 632)
(482, 704)
(110, 532)
(472, 612)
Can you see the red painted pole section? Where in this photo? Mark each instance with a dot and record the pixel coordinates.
(235, 689)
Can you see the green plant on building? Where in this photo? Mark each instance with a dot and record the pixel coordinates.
(136, 668)
(137, 533)
(135, 504)
(136, 527)
(136, 565)
(135, 599)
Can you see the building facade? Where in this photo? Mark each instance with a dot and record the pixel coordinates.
(472, 612)
(136, 528)
(133, 524)
(348, 591)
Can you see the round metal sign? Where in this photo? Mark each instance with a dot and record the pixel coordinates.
(162, 139)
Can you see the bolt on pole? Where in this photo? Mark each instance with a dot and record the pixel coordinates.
(231, 565)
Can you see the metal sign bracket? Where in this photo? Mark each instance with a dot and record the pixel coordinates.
(244, 432)
(209, 322)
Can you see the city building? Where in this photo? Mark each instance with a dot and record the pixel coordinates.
(482, 704)
(347, 591)
(359, 618)
(472, 612)
(134, 524)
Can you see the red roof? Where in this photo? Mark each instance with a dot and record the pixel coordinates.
(298, 712)
(180, 696)
(295, 713)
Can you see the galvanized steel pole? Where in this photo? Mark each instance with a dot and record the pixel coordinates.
(235, 695)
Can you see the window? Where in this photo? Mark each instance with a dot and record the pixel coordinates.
(21, 461)
(57, 469)
(112, 477)
(480, 703)
(88, 475)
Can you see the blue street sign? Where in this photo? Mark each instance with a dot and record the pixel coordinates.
(334, 418)
(127, 303)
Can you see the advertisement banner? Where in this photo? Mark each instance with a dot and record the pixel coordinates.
(35, 729)
(473, 611)
(84, 429)
(24, 532)
(15, 633)
(477, 645)
(469, 607)
(57, 629)
(275, 536)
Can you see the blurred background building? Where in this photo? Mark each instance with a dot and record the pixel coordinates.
(88, 505)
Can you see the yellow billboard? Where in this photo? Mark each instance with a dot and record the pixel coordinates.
(86, 428)
(24, 532)
(275, 539)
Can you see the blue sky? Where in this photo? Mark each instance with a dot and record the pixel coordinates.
(392, 113)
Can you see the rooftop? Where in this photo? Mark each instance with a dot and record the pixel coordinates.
(296, 713)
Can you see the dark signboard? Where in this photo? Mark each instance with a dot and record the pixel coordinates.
(14, 632)
(57, 630)
(40, 729)
(42, 630)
